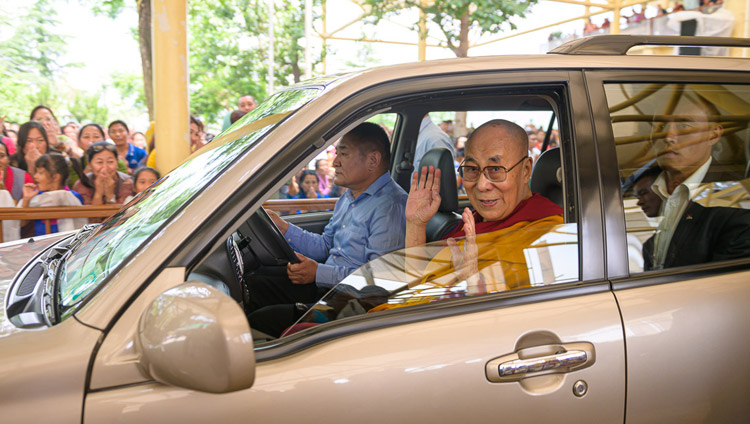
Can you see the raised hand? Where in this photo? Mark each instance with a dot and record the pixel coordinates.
(109, 184)
(465, 264)
(29, 190)
(31, 154)
(424, 197)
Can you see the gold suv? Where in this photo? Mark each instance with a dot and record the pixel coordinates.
(634, 308)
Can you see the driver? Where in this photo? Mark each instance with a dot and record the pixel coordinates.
(368, 221)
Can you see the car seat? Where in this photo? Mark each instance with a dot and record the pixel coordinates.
(546, 177)
(446, 217)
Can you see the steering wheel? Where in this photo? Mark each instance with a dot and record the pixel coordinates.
(265, 240)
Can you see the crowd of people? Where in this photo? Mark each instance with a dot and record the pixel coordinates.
(44, 164)
(638, 15)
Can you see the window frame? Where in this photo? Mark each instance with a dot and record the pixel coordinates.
(615, 229)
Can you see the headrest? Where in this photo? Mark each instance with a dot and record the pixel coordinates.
(442, 159)
(546, 177)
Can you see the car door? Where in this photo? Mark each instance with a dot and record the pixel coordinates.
(686, 324)
(550, 351)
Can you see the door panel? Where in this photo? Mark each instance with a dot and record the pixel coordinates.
(431, 371)
(688, 345)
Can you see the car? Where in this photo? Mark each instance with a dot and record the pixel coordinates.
(141, 318)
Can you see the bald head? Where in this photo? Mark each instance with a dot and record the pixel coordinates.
(498, 143)
(505, 132)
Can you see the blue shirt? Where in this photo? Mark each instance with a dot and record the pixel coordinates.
(359, 231)
(135, 156)
(431, 136)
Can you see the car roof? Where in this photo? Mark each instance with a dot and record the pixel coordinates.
(600, 52)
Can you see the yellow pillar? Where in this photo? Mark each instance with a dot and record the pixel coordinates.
(171, 103)
(422, 46)
(614, 27)
(740, 10)
(324, 35)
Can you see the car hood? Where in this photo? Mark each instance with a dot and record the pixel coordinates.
(13, 257)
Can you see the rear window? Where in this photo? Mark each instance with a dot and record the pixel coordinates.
(683, 153)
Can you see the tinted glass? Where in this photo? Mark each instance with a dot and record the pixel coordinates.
(528, 254)
(682, 152)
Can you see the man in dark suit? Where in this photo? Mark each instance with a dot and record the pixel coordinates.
(684, 153)
(705, 235)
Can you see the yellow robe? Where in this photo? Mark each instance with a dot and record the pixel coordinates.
(501, 263)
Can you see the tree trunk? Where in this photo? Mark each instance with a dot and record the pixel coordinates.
(459, 126)
(144, 41)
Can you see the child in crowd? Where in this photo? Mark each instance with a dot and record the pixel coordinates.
(51, 175)
(142, 179)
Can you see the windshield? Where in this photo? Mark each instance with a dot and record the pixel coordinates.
(125, 232)
(516, 258)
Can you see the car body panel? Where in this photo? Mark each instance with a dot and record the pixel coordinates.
(116, 362)
(44, 371)
(431, 371)
(688, 347)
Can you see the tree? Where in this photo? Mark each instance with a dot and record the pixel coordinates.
(290, 29)
(226, 44)
(456, 18)
(112, 9)
(31, 61)
(226, 60)
(87, 108)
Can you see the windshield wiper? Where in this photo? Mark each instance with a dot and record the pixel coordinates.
(33, 300)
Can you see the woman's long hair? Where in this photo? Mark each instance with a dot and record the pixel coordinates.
(23, 135)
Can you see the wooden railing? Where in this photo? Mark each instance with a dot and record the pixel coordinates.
(105, 211)
(284, 207)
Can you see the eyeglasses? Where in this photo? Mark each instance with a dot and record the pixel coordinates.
(494, 173)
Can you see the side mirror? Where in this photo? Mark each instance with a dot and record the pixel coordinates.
(195, 337)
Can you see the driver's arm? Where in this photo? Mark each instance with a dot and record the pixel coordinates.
(314, 246)
(385, 233)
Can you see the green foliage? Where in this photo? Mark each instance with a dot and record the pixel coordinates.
(485, 16)
(130, 87)
(289, 33)
(225, 56)
(229, 51)
(30, 62)
(87, 107)
(109, 8)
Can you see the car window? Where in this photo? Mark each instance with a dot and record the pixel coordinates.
(531, 253)
(682, 152)
(122, 235)
(313, 189)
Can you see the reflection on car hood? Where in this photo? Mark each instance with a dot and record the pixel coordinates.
(13, 257)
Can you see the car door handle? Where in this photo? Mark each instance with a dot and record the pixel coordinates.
(540, 360)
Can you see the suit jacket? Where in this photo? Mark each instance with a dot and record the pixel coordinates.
(705, 235)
